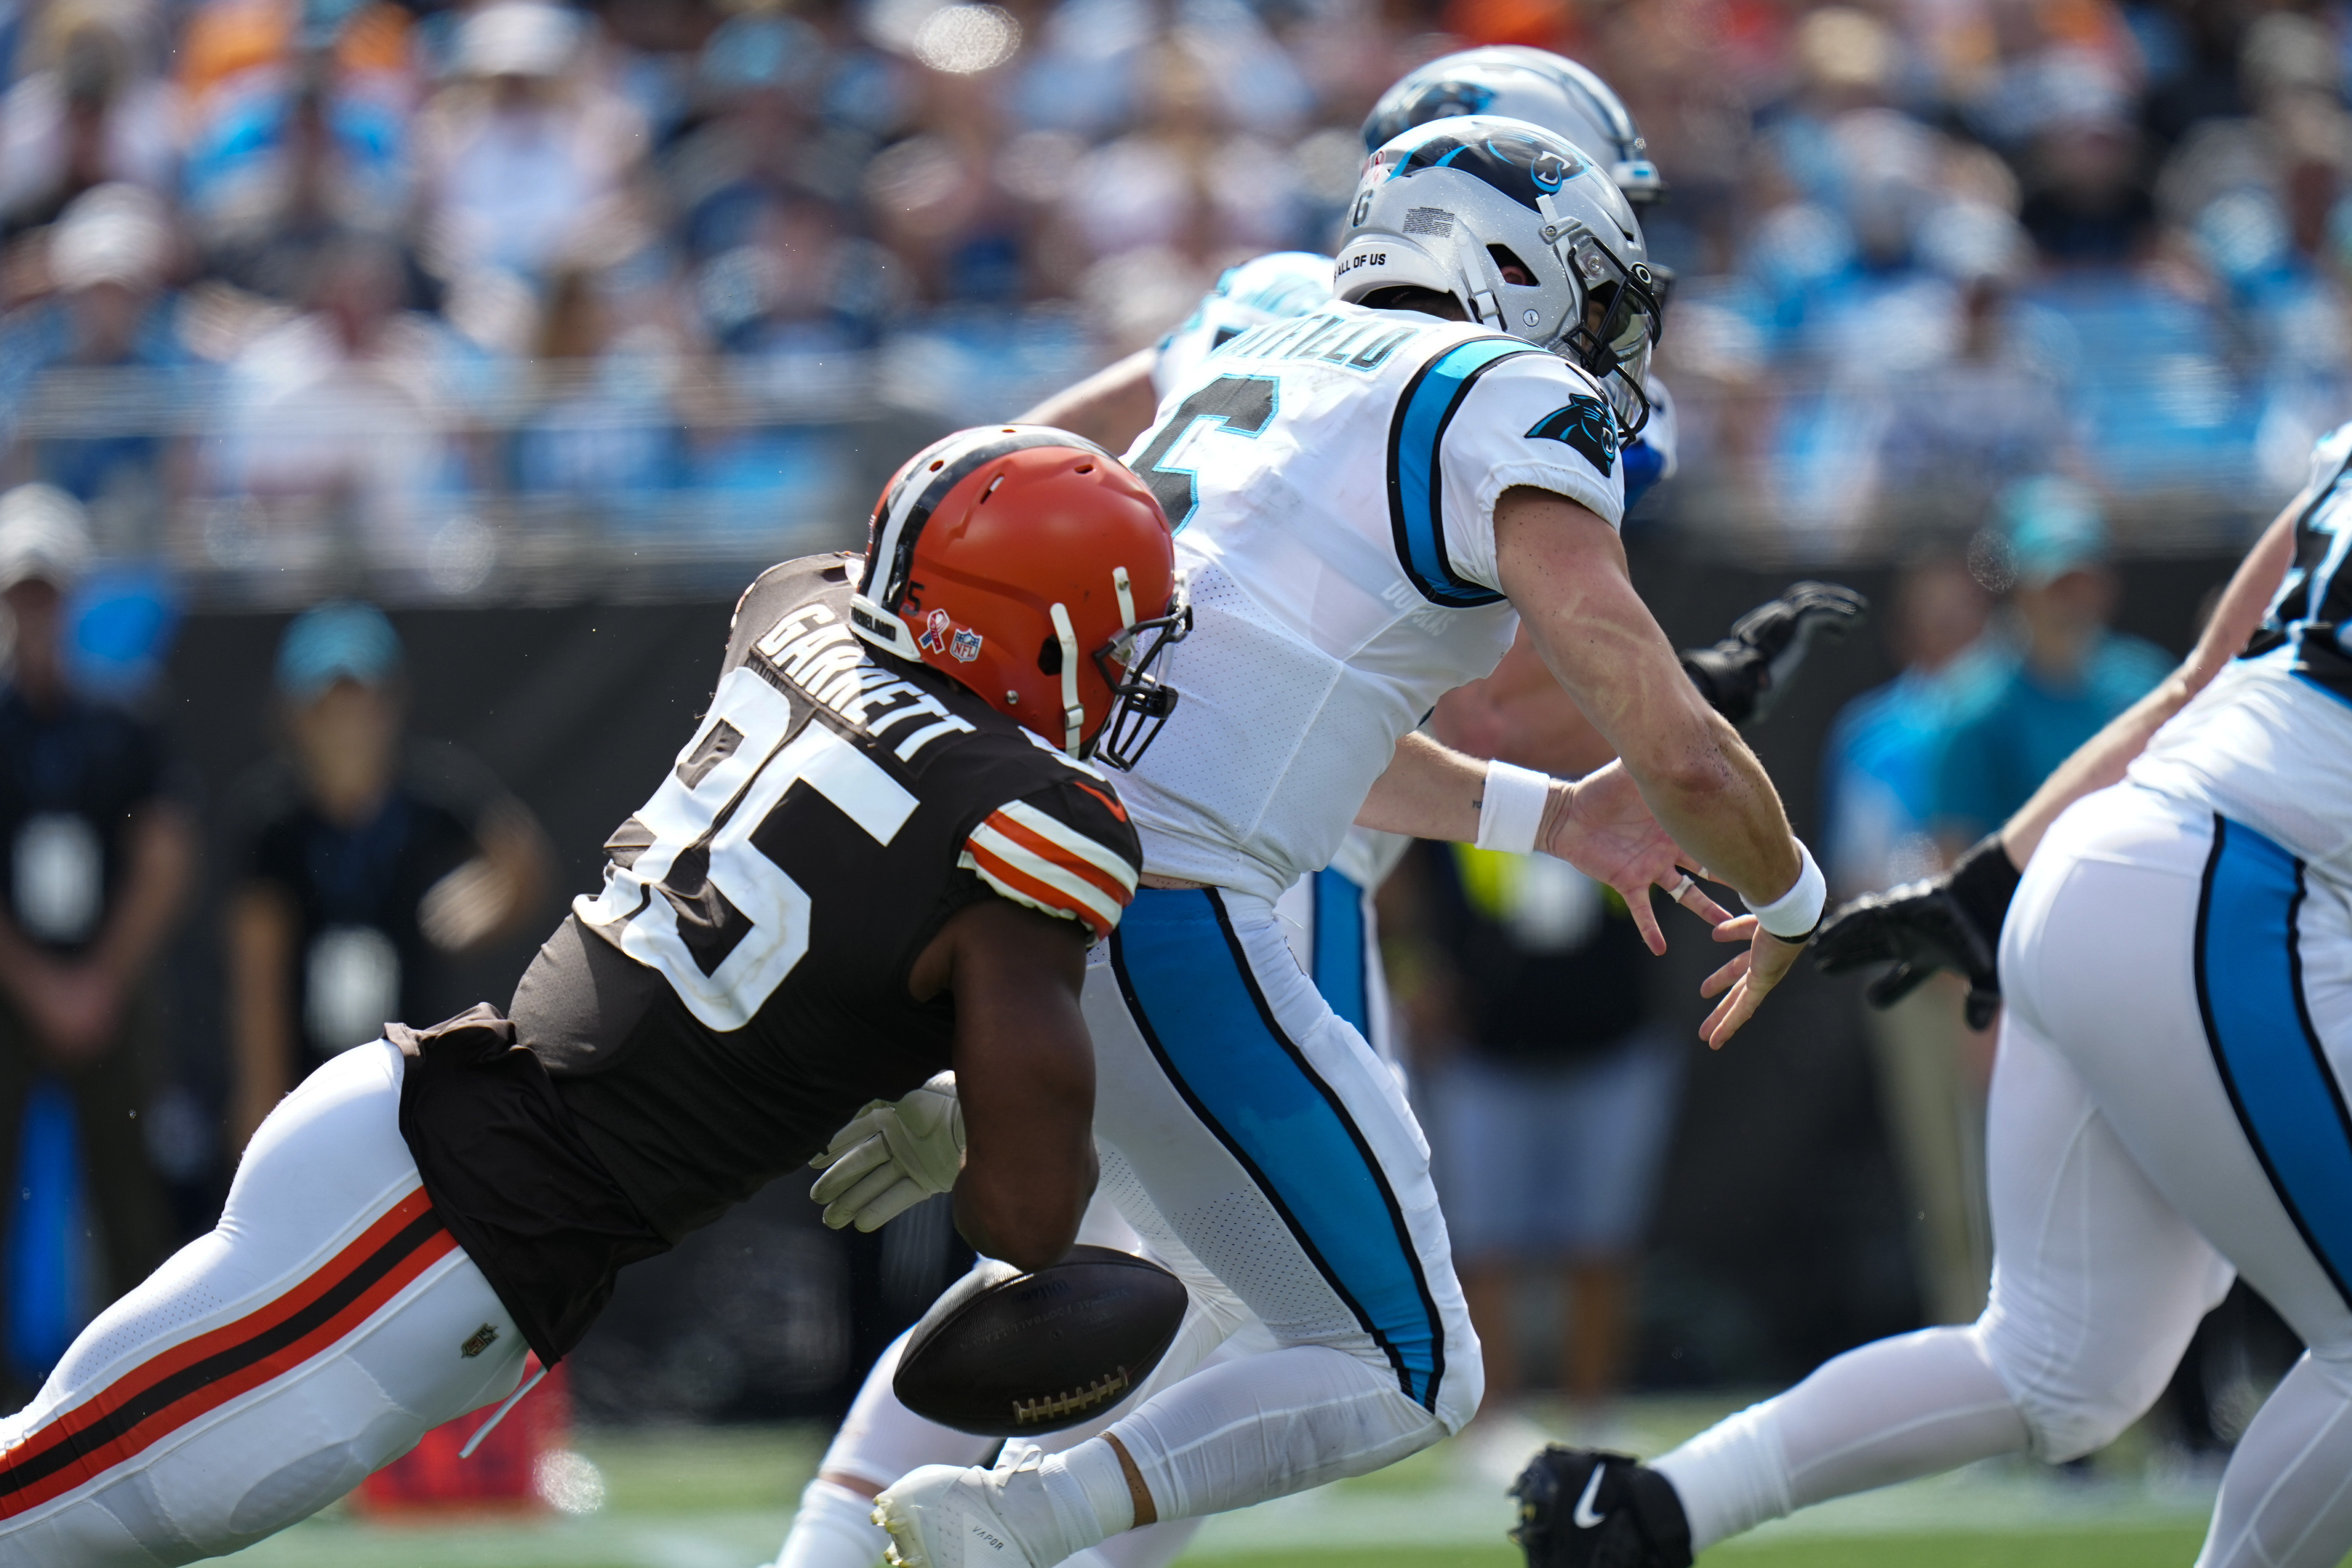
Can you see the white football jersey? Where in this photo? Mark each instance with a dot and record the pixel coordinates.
(2269, 742)
(1332, 480)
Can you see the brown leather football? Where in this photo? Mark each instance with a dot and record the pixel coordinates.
(1007, 1355)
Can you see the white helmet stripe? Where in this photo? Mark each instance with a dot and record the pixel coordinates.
(1073, 711)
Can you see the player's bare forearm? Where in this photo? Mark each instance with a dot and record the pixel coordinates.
(1109, 408)
(1564, 570)
(1024, 1070)
(1429, 790)
(2102, 759)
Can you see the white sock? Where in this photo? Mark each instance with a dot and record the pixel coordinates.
(1058, 1504)
(1730, 1477)
(835, 1528)
(1267, 1426)
(1888, 1412)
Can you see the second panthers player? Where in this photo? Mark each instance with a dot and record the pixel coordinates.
(1509, 80)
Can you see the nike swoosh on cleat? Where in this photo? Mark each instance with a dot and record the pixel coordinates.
(1584, 1517)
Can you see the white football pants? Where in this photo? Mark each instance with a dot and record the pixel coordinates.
(316, 1333)
(2166, 1111)
(1265, 1154)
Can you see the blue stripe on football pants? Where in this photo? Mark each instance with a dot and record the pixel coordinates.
(1250, 1131)
(2250, 989)
(1338, 938)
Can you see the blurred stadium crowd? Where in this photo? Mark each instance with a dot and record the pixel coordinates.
(430, 287)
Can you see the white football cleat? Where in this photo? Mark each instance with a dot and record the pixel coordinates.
(949, 1516)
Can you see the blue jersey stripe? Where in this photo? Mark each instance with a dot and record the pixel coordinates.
(1416, 477)
(1187, 983)
(1338, 947)
(2249, 989)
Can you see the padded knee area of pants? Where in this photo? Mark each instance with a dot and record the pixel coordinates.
(302, 1488)
(2075, 1406)
(134, 1505)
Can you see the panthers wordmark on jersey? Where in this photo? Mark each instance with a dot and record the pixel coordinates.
(739, 987)
(2269, 742)
(1332, 480)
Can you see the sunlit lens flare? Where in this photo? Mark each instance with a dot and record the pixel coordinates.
(963, 40)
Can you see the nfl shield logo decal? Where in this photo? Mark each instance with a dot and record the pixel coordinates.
(966, 646)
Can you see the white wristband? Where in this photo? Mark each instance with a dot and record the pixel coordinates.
(1793, 915)
(1511, 808)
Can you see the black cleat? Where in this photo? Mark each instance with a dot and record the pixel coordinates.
(1580, 1508)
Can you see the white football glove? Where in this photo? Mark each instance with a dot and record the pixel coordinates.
(891, 1156)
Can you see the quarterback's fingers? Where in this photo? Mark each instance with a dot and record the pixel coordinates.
(1730, 1013)
(1645, 919)
(893, 1202)
(1692, 897)
(1731, 974)
(1742, 929)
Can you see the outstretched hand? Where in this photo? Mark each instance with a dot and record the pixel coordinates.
(1602, 827)
(1749, 979)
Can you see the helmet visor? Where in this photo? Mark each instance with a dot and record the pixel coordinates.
(1140, 703)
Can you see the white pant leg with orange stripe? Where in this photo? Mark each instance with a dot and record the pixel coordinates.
(325, 1326)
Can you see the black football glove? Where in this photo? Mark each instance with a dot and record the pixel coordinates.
(1948, 922)
(1744, 675)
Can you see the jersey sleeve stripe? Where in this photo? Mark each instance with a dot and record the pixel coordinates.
(1008, 842)
(1052, 870)
(1031, 826)
(1024, 879)
(1416, 435)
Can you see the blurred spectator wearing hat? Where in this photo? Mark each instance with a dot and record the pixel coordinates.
(96, 849)
(365, 861)
(2069, 673)
(107, 312)
(91, 111)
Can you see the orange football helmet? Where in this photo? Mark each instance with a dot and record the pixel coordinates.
(1033, 567)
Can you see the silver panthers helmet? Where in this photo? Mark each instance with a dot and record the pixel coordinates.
(1534, 85)
(1455, 204)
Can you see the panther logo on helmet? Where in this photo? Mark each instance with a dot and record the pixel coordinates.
(1512, 81)
(1441, 101)
(1519, 165)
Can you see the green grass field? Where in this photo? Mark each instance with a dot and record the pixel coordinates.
(719, 1497)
